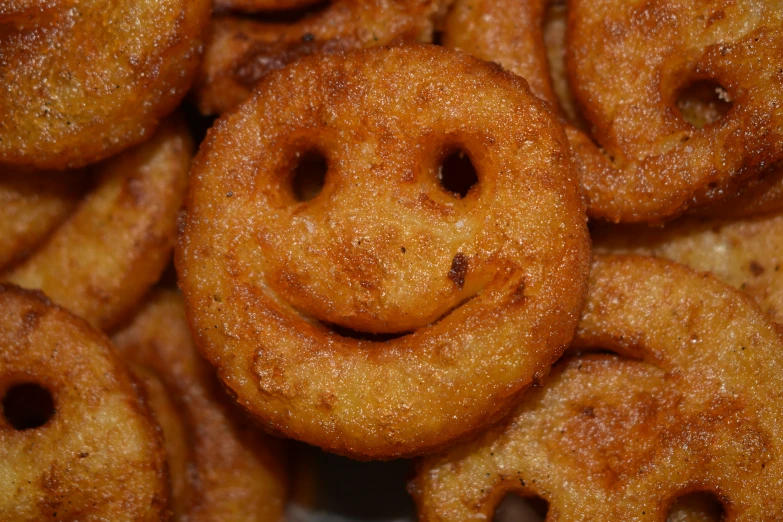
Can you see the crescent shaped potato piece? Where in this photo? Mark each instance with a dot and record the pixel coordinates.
(747, 253)
(94, 453)
(85, 80)
(241, 51)
(102, 261)
(31, 207)
(457, 304)
(652, 165)
(609, 439)
(226, 469)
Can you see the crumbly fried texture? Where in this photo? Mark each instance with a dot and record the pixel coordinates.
(747, 253)
(628, 63)
(224, 468)
(100, 456)
(102, 261)
(31, 207)
(241, 51)
(480, 294)
(757, 197)
(85, 80)
(612, 439)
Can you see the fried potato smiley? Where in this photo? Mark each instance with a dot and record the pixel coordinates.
(388, 315)
(76, 440)
(611, 439)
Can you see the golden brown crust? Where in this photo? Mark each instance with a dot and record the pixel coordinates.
(100, 456)
(758, 197)
(85, 80)
(626, 73)
(613, 439)
(112, 249)
(656, 165)
(228, 470)
(31, 207)
(490, 282)
(240, 51)
(747, 253)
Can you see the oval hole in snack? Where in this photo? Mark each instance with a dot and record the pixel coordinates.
(27, 406)
(309, 175)
(703, 506)
(291, 15)
(457, 174)
(514, 508)
(703, 102)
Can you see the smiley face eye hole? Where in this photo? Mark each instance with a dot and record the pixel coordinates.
(515, 508)
(289, 16)
(309, 175)
(27, 406)
(703, 102)
(457, 174)
(699, 505)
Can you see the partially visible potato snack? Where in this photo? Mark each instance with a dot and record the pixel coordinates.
(650, 164)
(241, 51)
(84, 80)
(114, 246)
(32, 206)
(223, 468)
(698, 409)
(745, 253)
(76, 439)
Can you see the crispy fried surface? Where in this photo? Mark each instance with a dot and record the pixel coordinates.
(628, 63)
(656, 164)
(241, 51)
(613, 439)
(485, 287)
(226, 469)
(112, 249)
(89, 78)
(31, 207)
(100, 455)
(747, 254)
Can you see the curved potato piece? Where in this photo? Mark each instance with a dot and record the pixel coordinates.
(31, 207)
(652, 165)
(104, 258)
(747, 254)
(610, 439)
(84, 80)
(76, 439)
(232, 470)
(240, 51)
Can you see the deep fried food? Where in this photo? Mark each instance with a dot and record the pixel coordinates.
(76, 440)
(629, 63)
(83, 81)
(612, 439)
(241, 51)
(474, 297)
(222, 467)
(112, 249)
(747, 254)
(31, 207)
